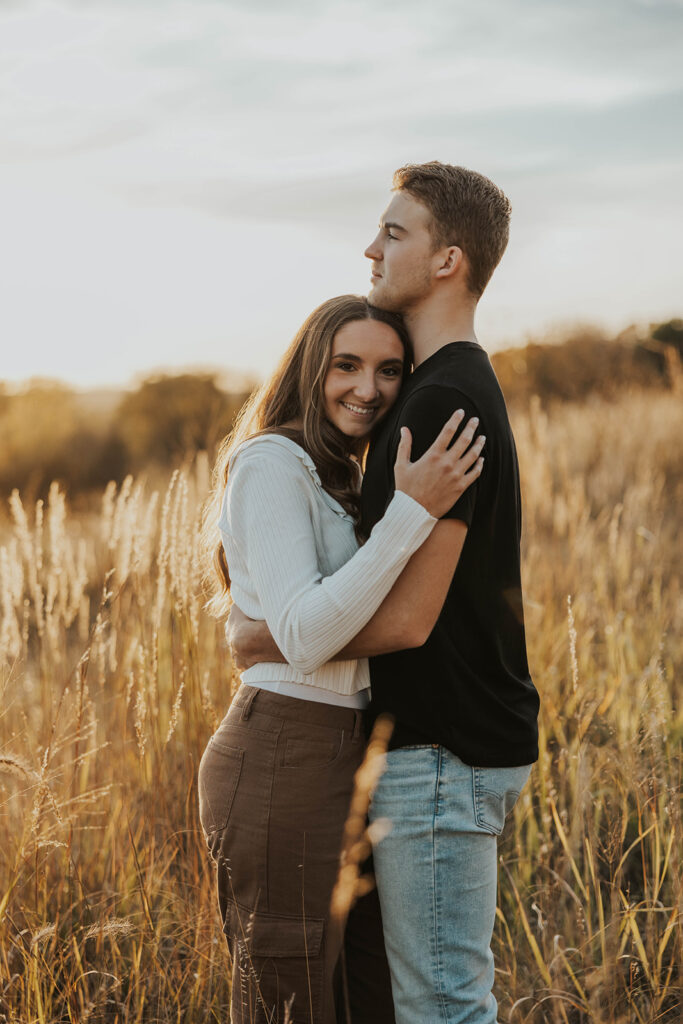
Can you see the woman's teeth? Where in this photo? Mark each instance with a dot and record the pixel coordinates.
(359, 409)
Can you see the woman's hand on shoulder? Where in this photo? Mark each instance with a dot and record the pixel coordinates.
(439, 477)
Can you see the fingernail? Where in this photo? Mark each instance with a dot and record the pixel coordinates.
(459, 412)
(482, 438)
(475, 420)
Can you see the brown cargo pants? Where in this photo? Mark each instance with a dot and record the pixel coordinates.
(275, 784)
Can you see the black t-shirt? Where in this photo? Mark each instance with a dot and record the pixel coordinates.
(468, 687)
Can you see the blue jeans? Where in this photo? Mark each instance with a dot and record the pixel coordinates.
(436, 877)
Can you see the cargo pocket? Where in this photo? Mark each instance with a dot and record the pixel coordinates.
(495, 794)
(277, 963)
(219, 773)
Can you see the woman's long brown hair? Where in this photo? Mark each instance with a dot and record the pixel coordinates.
(295, 392)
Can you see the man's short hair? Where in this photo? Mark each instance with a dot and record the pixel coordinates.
(467, 210)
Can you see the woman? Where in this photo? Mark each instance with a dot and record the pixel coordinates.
(276, 779)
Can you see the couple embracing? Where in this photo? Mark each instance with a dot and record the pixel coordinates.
(394, 592)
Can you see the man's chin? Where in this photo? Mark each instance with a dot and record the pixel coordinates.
(378, 296)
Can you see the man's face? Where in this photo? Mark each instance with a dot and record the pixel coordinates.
(404, 260)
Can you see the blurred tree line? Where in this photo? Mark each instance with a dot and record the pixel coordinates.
(50, 432)
(587, 361)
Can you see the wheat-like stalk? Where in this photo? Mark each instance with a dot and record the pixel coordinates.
(112, 678)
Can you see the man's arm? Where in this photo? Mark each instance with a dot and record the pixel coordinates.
(408, 614)
(250, 641)
(405, 618)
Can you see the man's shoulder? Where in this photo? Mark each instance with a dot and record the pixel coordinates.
(465, 377)
(436, 398)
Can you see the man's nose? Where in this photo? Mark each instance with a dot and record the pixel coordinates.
(373, 251)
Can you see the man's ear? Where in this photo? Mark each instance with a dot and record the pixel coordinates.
(451, 261)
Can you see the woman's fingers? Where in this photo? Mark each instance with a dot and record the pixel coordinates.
(464, 438)
(405, 445)
(472, 453)
(474, 471)
(445, 435)
(461, 448)
(442, 474)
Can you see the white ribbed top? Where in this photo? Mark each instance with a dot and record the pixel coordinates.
(294, 561)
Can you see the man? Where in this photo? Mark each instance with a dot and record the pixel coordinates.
(452, 672)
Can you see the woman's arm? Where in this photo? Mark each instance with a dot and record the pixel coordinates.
(269, 516)
(311, 618)
(408, 614)
(405, 618)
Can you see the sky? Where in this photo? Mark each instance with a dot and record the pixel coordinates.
(182, 181)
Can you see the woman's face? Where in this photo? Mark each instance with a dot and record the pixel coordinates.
(364, 376)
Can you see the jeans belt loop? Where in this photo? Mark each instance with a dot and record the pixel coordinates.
(246, 707)
(358, 721)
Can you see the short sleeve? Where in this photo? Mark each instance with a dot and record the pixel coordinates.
(425, 413)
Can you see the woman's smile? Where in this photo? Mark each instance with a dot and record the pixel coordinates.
(360, 410)
(364, 376)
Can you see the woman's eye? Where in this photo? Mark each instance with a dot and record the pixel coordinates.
(391, 371)
(345, 366)
(389, 235)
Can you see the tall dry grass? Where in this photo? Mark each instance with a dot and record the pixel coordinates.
(112, 678)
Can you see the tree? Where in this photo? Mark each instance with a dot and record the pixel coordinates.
(670, 333)
(170, 417)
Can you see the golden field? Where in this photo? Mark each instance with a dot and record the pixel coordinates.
(112, 678)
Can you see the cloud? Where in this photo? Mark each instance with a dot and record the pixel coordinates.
(337, 65)
(323, 201)
(145, 141)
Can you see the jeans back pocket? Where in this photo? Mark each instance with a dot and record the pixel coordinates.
(495, 794)
(219, 773)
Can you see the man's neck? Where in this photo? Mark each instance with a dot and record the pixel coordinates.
(433, 325)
